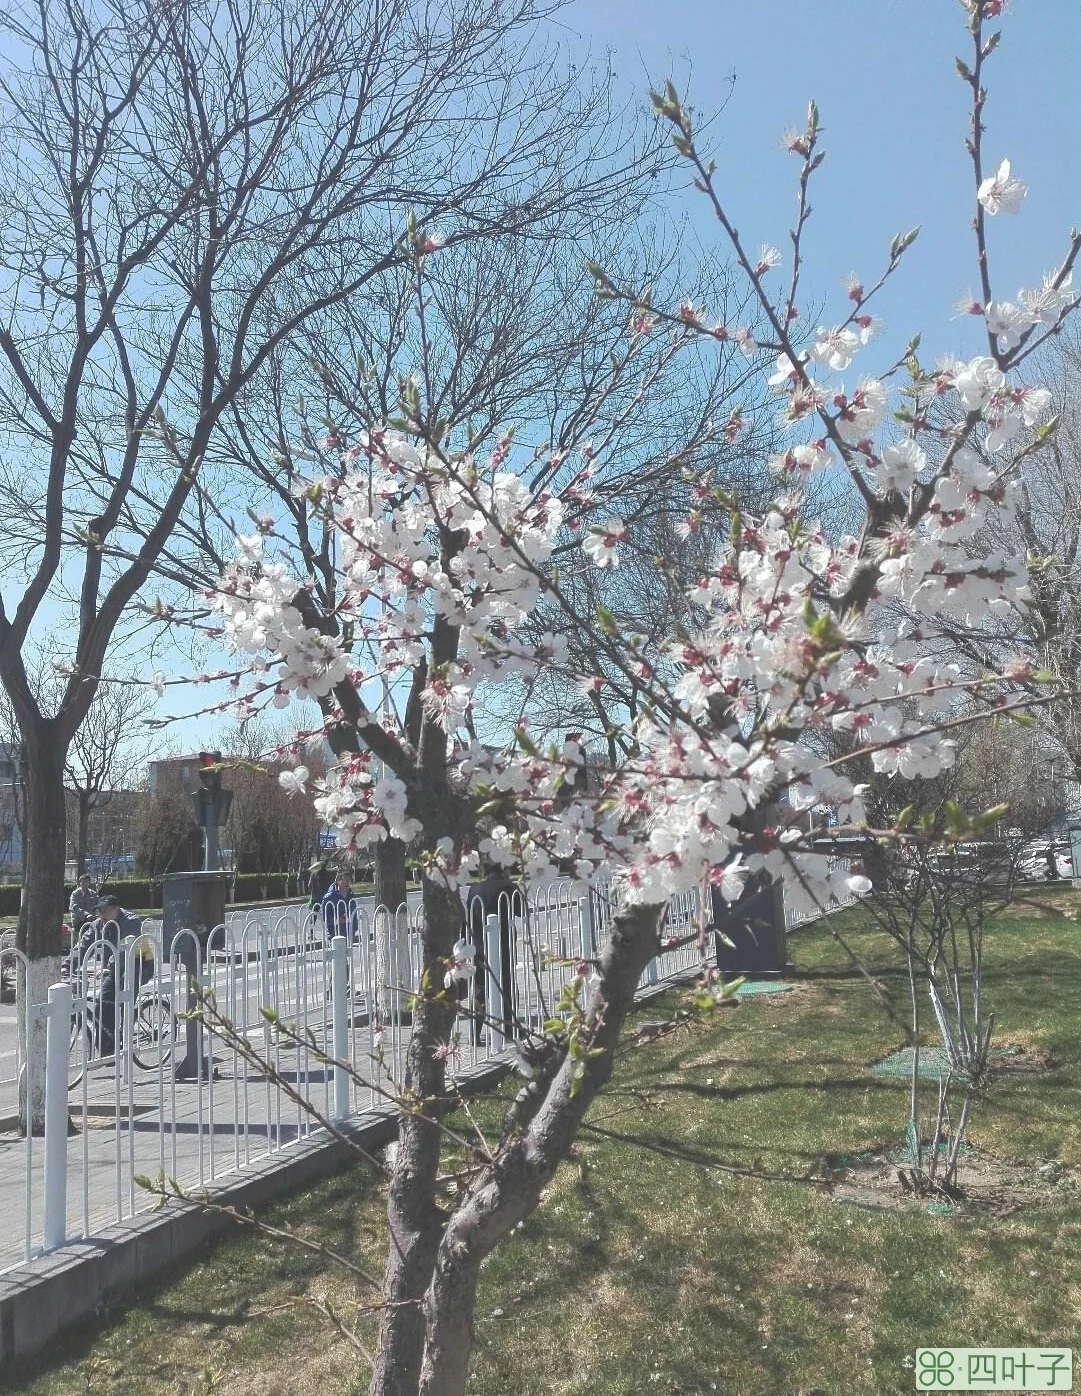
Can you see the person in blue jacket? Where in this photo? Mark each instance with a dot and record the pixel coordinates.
(340, 916)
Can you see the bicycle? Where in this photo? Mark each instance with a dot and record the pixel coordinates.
(156, 1034)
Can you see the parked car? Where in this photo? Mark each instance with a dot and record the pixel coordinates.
(1034, 863)
(975, 861)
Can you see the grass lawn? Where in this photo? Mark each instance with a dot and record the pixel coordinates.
(646, 1273)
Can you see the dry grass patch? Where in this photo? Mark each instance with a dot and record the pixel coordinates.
(985, 1183)
(642, 1272)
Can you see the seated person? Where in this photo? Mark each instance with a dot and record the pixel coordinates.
(83, 904)
(112, 927)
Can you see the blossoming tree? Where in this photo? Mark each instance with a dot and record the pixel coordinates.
(443, 557)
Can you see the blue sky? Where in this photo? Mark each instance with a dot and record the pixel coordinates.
(894, 113)
(895, 117)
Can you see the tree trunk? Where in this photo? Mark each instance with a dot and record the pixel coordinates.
(20, 820)
(414, 1218)
(390, 876)
(84, 822)
(45, 836)
(510, 1190)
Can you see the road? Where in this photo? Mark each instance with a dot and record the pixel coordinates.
(8, 1038)
(242, 993)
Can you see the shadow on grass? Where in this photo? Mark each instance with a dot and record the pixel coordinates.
(246, 1269)
(837, 1083)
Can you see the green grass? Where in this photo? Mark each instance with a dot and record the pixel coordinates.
(641, 1272)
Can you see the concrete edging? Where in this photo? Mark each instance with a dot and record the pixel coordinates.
(64, 1287)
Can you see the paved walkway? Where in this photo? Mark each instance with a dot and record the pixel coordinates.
(198, 1133)
(193, 1132)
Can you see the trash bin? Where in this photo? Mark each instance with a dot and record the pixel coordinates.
(191, 901)
(755, 925)
(501, 897)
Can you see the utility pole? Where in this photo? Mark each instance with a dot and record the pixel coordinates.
(193, 904)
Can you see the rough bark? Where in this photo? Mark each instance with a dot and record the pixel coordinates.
(415, 1220)
(390, 877)
(44, 839)
(510, 1190)
(82, 837)
(32, 986)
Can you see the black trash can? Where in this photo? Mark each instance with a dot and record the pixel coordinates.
(501, 897)
(192, 901)
(755, 925)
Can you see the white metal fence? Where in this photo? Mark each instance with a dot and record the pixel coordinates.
(153, 1093)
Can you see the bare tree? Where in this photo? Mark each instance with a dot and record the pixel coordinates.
(268, 831)
(182, 188)
(167, 838)
(106, 755)
(1043, 478)
(1047, 529)
(940, 884)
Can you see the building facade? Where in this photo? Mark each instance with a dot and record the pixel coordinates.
(11, 844)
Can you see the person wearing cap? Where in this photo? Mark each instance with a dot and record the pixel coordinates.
(83, 904)
(110, 926)
(113, 926)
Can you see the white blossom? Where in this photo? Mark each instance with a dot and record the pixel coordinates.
(600, 542)
(732, 879)
(1045, 304)
(294, 782)
(1007, 321)
(462, 966)
(834, 348)
(1002, 192)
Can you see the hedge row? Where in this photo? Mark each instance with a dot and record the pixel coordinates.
(249, 887)
(141, 892)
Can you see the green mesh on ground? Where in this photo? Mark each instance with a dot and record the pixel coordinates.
(934, 1063)
(763, 986)
(935, 1209)
(899, 1154)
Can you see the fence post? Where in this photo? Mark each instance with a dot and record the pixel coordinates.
(493, 983)
(339, 982)
(124, 996)
(589, 933)
(57, 1042)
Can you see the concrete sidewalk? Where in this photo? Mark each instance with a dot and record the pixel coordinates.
(195, 1133)
(134, 1237)
(237, 1139)
(53, 1292)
